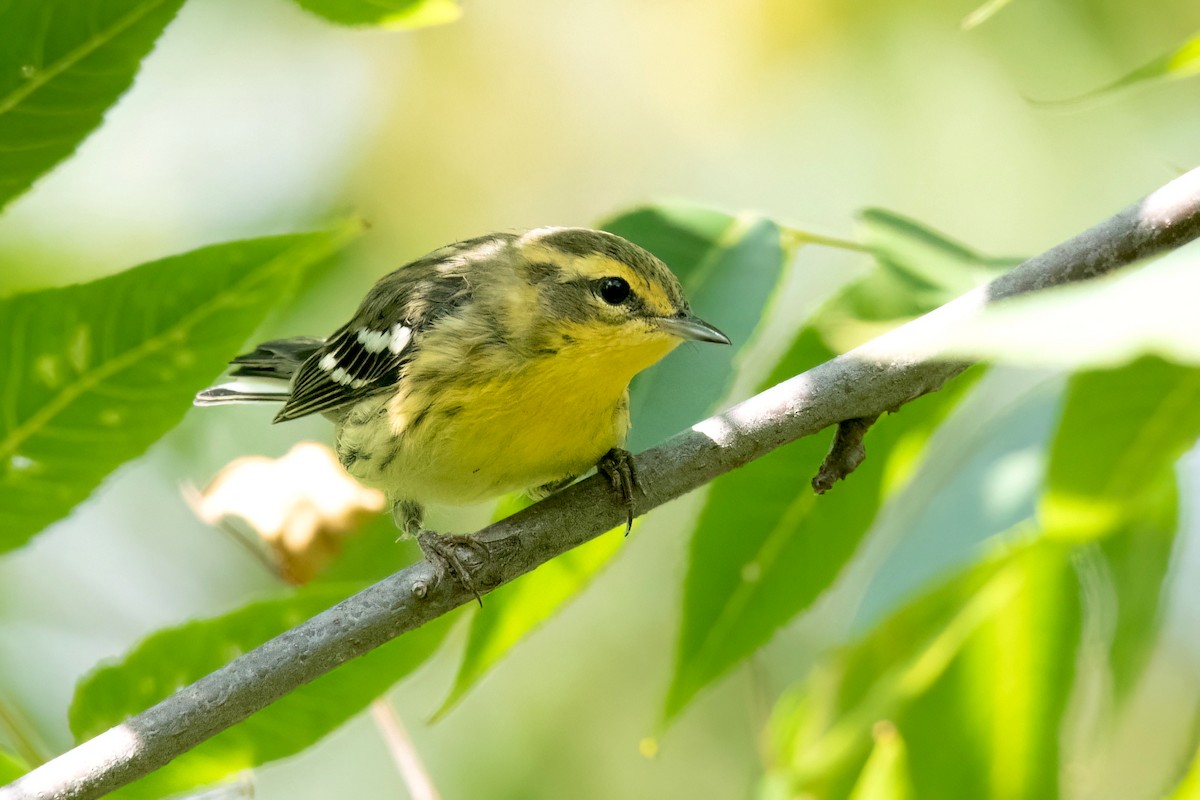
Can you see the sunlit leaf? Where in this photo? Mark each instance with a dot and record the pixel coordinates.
(175, 657)
(730, 267)
(62, 64)
(1182, 62)
(1121, 433)
(820, 733)
(95, 373)
(989, 727)
(391, 14)
(11, 767)
(984, 720)
(1103, 323)
(974, 675)
(1111, 478)
(766, 546)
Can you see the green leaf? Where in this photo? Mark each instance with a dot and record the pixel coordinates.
(730, 267)
(516, 609)
(921, 269)
(175, 657)
(790, 543)
(11, 767)
(1135, 561)
(989, 727)
(975, 676)
(1119, 488)
(682, 235)
(391, 14)
(1182, 62)
(62, 64)
(936, 265)
(1101, 323)
(95, 373)
(819, 735)
(1115, 450)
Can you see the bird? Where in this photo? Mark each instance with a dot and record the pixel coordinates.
(496, 364)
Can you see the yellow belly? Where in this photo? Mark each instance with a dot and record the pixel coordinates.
(473, 442)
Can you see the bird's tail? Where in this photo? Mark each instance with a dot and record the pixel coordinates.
(269, 369)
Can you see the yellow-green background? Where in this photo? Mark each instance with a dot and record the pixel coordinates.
(252, 117)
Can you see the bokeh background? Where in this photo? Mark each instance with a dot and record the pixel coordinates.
(253, 117)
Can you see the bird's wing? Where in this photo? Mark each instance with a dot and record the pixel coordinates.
(367, 355)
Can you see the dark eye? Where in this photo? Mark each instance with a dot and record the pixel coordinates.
(614, 291)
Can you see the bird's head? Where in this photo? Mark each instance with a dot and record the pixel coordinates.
(601, 296)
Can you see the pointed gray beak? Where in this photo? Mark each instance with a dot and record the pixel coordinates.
(692, 328)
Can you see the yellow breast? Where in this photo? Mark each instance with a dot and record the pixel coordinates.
(458, 430)
(514, 432)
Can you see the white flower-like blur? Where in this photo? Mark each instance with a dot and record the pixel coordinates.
(301, 506)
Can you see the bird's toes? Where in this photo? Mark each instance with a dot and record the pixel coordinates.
(618, 469)
(444, 552)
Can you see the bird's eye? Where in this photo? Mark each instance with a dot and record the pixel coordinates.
(614, 291)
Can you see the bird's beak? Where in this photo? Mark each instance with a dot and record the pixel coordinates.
(692, 328)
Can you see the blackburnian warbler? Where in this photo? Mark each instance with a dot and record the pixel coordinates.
(496, 364)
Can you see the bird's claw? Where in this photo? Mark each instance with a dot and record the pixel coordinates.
(441, 551)
(617, 467)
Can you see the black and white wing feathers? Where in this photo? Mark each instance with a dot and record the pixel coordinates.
(368, 355)
(359, 360)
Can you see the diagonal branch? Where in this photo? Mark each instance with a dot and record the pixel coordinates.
(879, 376)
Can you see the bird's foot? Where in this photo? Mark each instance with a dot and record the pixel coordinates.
(443, 552)
(617, 467)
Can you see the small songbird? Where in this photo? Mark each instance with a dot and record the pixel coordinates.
(493, 365)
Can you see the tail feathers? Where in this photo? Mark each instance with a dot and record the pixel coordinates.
(270, 369)
(276, 359)
(243, 392)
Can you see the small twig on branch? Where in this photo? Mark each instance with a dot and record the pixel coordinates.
(845, 454)
(879, 376)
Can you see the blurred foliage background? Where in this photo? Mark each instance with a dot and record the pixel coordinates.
(948, 648)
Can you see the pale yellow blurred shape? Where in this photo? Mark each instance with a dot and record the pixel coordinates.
(301, 506)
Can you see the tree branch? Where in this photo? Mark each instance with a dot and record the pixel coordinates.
(879, 376)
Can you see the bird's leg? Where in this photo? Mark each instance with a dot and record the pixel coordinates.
(617, 467)
(440, 550)
(547, 489)
(408, 517)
